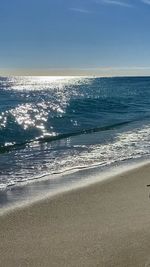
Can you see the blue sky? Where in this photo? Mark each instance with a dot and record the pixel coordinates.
(54, 35)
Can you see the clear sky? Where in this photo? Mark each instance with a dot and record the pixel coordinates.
(74, 36)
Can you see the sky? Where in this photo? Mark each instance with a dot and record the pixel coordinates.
(65, 37)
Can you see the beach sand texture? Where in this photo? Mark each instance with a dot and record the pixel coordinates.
(105, 224)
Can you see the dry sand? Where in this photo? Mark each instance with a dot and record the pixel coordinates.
(105, 224)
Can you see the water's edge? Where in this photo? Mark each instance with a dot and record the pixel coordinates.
(28, 194)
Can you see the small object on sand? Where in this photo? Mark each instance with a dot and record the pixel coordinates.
(148, 185)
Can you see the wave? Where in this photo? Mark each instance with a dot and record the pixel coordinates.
(47, 139)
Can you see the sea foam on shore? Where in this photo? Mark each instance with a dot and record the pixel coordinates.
(27, 194)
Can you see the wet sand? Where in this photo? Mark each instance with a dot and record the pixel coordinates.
(104, 224)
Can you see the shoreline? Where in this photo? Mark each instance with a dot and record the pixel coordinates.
(37, 191)
(104, 224)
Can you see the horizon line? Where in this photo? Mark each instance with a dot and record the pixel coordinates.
(97, 71)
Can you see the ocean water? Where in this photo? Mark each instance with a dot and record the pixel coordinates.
(52, 125)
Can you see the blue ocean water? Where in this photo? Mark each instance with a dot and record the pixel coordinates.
(50, 125)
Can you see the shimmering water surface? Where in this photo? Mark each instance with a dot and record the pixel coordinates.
(49, 125)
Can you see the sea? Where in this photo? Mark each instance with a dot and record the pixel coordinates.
(52, 129)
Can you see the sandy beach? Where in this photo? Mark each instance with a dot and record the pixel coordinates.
(105, 224)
